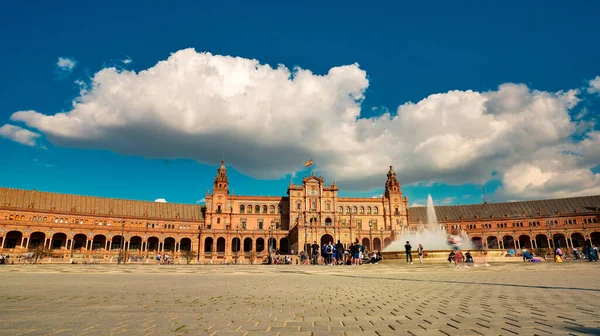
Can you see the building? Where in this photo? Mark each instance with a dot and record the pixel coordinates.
(234, 228)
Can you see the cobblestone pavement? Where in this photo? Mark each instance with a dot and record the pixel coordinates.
(384, 299)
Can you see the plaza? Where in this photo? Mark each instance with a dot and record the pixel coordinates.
(382, 299)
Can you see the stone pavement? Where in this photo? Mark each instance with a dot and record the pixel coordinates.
(383, 299)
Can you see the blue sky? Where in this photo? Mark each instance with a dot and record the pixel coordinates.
(404, 53)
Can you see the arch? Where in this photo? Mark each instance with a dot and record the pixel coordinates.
(525, 242)
(595, 238)
(328, 221)
(362, 210)
(208, 245)
(99, 242)
(248, 244)
(272, 245)
(326, 239)
(169, 244)
(249, 208)
(135, 243)
(354, 210)
(13, 239)
(541, 241)
(347, 209)
(368, 210)
(284, 246)
(386, 242)
(341, 210)
(11, 217)
(37, 239)
(242, 208)
(260, 244)
(236, 245)
(366, 244)
(117, 242)
(79, 241)
(508, 242)
(375, 210)
(577, 240)
(272, 209)
(220, 245)
(59, 240)
(257, 209)
(476, 242)
(376, 244)
(153, 243)
(559, 240)
(492, 242)
(185, 244)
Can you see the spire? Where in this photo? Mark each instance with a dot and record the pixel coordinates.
(391, 185)
(221, 181)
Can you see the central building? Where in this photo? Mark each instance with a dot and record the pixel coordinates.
(248, 227)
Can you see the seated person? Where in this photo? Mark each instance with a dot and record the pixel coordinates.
(469, 257)
(451, 257)
(527, 256)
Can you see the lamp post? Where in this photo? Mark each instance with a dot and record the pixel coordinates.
(269, 244)
(370, 235)
(381, 243)
(121, 249)
(237, 245)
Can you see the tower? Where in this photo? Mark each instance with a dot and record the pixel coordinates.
(218, 205)
(392, 186)
(396, 206)
(221, 183)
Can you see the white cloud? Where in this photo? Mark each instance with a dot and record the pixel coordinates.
(127, 60)
(594, 85)
(269, 121)
(160, 200)
(201, 201)
(377, 196)
(415, 204)
(447, 201)
(66, 65)
(18, 134)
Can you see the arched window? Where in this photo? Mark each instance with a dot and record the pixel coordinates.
(249, 208)
(299, 206)
(341, 210)
(11, 217)
(34, 219)
(61, 220)
(272, 209)
(328, 206)
(257, 209)
(242, 208)
(45, 219)
(375, 210)
(362, 210)
(353, 209)
(279, 209)
(264, 209)
(347, 210)
(39, 218)
(23, 217)
(368, 210)
(313, 205)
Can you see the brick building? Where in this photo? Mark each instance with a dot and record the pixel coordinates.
(233, 228)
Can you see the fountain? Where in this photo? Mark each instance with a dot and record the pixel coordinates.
(433, 237)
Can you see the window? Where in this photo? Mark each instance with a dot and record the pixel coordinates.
(375, 210)
(257, 209)
(397, 212)
(313, 205)
(242, 208)
(272, 209)
(341, 210)
(328, 206)
(299, 206)
(277, 225)
(279, 209)
(368, 210)
(218, 209)
(362, 210)
(249, 209)
(354, 210)
(33, 219)
(347, 210)
(218, 220)
(243, 223)
(260, 224)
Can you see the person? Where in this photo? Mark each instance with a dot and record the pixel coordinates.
(329, 253)
(315, 253)
(408, 248)
(355, 250)
(469, 257)
(451, 256)
(420, 250)
(339, 252)
(527, 256)
(558, 255)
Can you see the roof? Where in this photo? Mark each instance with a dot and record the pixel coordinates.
(552, 207)
(49, 201)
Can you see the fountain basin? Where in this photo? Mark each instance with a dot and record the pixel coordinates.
(441, 256)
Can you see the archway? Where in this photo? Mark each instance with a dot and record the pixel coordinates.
(99, 242)
(260, 245)
(116, 242)
(235, 245)
(525, 242)
(326, 239)
(13, 239)
(284, 246)
(541, 241)
(492, 242)
(365, 244)
(208, 245)
(153, 243)
(578, 240)
(169, 244)
(59, 240)
(221, 245)
(328, 221)
(272, 244)
(387, 242)
(248, 244)
(559, 240)
(79, 241)
(376, 244)
(508, 242)
(37, 239)
(135, 243)
(185, 244)
(476, 242)
(595, 237)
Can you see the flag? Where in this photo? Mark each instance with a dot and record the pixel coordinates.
(309, 163)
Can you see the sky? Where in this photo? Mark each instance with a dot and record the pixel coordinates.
(143, 99)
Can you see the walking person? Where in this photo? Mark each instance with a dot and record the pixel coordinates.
(408, 248)
(420, 250)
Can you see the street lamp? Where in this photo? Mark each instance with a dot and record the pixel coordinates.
(237, 247)
(121, 249)
(270, 238)
(370, 235)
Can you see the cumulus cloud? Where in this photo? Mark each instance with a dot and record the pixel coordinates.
(594, 85)
(66, 65)
(127, 60)
(18, 134)
(269, 121)
(160, 200)
(201, 201)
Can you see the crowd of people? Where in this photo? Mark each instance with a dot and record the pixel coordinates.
(337, 254)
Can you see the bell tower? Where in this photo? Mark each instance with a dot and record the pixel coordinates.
(396, 213)
(392, 186)
(221, 183)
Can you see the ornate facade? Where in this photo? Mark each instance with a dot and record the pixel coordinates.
(244, 229)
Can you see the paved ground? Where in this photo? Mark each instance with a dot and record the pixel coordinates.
(384, 299)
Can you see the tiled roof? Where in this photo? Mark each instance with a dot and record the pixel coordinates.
(48, 201)
(552, 207)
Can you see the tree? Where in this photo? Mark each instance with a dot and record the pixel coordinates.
(40, 253)
(188, 255)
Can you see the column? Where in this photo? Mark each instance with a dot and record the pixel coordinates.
(50, 243)
(106, 245)
(28, 241)
(143, 247)
(1, 242)
(22, 241)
